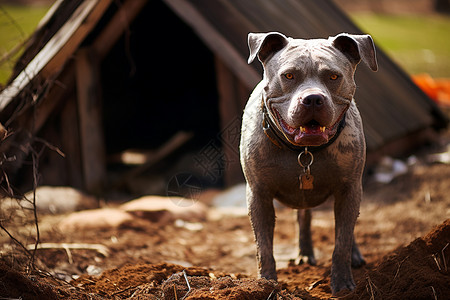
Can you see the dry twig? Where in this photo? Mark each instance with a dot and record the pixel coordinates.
(272, 295)
(434, 293)
(399, 265)
(14, 239)
(371, 286)
(436, 261)
(35, 157)
(314, 284)
(187, 283)
(124, 290)
(103, 250)
(443, 257)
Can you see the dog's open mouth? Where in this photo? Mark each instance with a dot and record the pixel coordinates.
(309, 134)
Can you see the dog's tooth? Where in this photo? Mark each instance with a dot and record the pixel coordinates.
(302, 129)
(322, 128)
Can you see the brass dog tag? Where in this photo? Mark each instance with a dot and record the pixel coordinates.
(306, 182)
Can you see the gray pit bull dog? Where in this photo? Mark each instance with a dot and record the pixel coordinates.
(302, 142)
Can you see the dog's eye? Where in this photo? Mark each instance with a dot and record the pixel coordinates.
(289, 76)
(334, 77)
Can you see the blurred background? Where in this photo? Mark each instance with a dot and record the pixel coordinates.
(158, 113)
(415, 33)
(195, 127)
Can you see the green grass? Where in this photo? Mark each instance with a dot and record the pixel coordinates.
(419, 44)
(16, 24)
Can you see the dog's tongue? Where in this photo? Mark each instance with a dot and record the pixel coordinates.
(311, 134)
(312, 129)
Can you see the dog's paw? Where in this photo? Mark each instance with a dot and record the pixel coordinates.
(306, 259)
(340, 284)
(357, 259)
(269, 275)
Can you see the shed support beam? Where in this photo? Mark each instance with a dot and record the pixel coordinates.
(91, 131)
(215, 41)
(233, 95)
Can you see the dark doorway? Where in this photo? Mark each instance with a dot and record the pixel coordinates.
(159, 79)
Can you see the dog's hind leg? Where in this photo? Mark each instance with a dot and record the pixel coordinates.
(306, 253)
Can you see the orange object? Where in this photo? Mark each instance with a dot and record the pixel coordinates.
(436, 89)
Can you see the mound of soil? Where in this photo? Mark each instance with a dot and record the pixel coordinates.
(154, 259)
(14, 285)
(170, 281)
(417, 271)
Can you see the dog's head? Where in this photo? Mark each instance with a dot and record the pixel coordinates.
(309, 84)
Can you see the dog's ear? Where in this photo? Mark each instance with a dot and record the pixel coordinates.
(357, 48)
(265, 45)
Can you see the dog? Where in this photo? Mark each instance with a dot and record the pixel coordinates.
(302, 141)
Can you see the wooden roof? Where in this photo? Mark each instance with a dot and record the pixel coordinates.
(391, 105)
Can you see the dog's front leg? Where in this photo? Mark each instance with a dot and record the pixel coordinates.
(262, 218)
(346, 211)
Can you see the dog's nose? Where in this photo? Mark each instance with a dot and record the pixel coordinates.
(313, 100)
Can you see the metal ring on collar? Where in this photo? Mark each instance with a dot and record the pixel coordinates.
(308, 164)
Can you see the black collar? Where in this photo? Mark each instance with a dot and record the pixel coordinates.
(277, 138)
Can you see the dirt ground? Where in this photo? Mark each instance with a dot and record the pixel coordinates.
(403, 232)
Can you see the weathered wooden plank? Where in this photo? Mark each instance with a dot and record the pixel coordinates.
(218, 43)
(89, 110)
(174, 143)
(228, 20)
(56, 52)
(232, 96)
(70, 135)
(117, 26)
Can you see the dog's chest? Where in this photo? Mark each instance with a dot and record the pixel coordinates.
(290, 185)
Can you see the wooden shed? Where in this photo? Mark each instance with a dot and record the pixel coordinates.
(170, 78)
